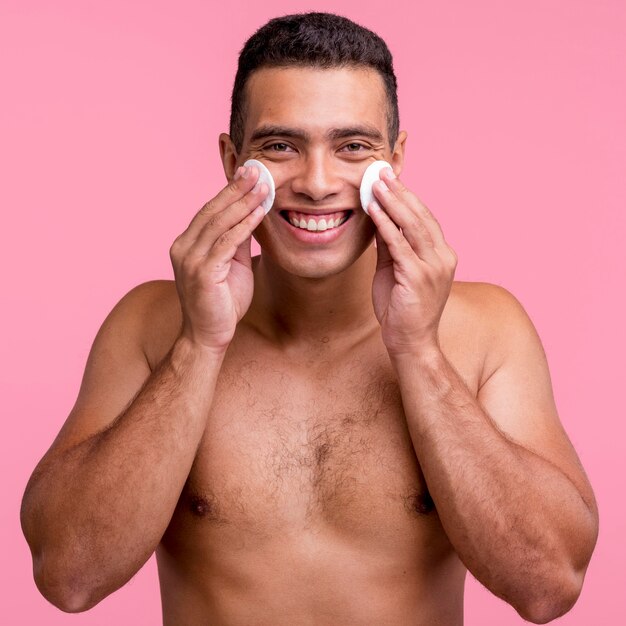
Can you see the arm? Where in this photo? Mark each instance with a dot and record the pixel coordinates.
(100, 500)
(98, 503)
(510, 491)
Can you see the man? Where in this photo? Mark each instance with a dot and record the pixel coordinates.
(332, 432)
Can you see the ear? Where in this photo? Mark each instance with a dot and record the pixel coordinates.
(397, 156)
(228, 154)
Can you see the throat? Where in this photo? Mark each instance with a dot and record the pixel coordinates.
(287, 308)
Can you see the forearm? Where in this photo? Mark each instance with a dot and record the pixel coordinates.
(514, 519)
(97, 512)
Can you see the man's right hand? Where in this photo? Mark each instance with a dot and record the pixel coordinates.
(212, 262)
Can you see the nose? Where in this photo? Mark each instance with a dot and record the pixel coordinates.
(317, 177)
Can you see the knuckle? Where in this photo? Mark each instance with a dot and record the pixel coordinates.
(213, 221)
(399, 185)
(176, 247)
(425, 210)
(223, 240)
(419, 225)
(243, 203)
(424, 230)
(233, 186)
(208, 207)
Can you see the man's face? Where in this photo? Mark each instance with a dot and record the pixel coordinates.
(316, 130)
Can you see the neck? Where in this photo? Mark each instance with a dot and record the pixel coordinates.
(294, 310)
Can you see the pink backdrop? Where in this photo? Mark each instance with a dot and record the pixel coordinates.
(516, 114)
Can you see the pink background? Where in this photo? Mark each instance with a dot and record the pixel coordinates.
(110, 111)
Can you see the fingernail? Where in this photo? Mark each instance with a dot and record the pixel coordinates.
(246, 172)
(238, 173)
(390, 173)
(259, 187)
(382, 186)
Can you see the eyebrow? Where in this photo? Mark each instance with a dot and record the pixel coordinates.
(272, 130)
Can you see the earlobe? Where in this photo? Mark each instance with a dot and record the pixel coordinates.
(228, 154)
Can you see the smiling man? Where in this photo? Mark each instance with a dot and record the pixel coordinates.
(332, 432)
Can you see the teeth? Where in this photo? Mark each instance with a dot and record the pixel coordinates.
(314, 226)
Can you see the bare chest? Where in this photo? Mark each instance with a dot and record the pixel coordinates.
(320, 444)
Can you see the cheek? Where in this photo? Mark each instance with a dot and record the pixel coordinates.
(369, 230)
(263, 232)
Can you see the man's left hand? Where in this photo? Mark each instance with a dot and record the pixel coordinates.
(415, 268)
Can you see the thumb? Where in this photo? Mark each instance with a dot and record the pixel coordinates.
(243, 254)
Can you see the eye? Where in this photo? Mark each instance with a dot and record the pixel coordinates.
(354, 147)
(277, 147)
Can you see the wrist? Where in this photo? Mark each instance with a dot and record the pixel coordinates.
(419, 356)
(186, 349)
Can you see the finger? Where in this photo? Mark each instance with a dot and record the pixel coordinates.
(416, 205)
(383, 255)
(243, 253)
(244, 180)
(220, 223)
(413, 228)
(230, 242)
(400, 250)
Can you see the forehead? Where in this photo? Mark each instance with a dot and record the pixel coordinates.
(315, 99)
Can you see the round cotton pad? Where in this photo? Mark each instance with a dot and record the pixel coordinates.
(264, 177)
(370, 176)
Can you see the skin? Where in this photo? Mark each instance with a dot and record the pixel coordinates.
(325, 434)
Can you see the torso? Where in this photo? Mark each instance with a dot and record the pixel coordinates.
(306, 503)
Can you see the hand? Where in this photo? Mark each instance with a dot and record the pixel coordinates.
(415, 268)
(212, 262)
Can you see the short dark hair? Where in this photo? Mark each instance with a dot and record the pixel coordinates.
(321, 40)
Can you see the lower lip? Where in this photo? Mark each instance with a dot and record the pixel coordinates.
(316, 236)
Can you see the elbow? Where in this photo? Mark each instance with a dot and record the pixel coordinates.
(66, 593)
(551, 605)
(557, 592)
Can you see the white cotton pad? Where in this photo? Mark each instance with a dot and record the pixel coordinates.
(264, 177)
(370, 176)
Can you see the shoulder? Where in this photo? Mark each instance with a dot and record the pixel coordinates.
(154, 308)
(150, 298)
(485, 301)
(492, 319)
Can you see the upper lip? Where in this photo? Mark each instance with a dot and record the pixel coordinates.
(311, 212)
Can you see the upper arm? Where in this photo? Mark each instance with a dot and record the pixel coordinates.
(115, 371)
(516, 390)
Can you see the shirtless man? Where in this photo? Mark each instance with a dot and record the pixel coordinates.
(333, 432)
